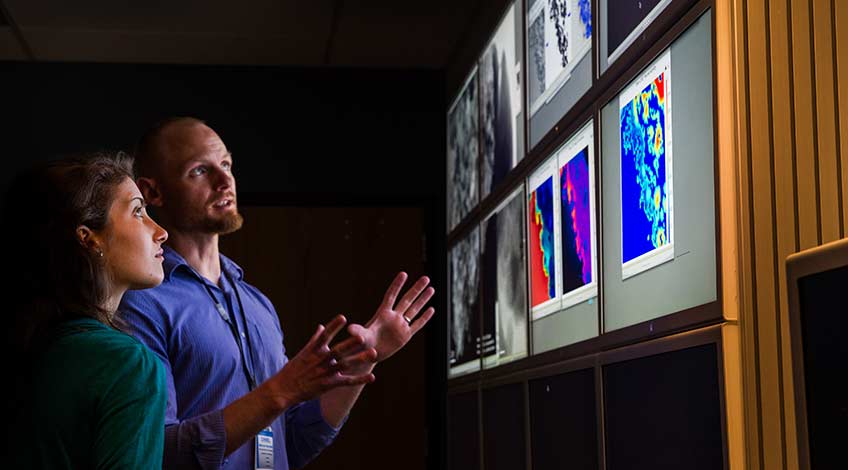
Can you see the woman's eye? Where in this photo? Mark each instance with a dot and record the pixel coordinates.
(139, 211)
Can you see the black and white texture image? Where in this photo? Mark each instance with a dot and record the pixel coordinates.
(559, 34)
(505, 282)
(558, 15)
(500, 105)
(465, 305)
(536, 55)
(463, 151)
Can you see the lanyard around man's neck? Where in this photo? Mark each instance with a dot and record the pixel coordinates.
(231, 322)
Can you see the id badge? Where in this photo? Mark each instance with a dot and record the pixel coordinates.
(265, 449)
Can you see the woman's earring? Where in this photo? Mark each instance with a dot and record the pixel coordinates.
(100, 252)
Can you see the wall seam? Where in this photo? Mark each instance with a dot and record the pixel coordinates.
(815, 125)
(751, 237)
(794, 153)
(839, 194)
(774, 244)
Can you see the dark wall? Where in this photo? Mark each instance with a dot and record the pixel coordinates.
(320, 131)
(299, 137)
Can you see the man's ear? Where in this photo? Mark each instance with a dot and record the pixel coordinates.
(150, 190)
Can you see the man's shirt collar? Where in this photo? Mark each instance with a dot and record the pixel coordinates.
(174, 260)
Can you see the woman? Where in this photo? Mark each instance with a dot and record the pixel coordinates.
(88, 395)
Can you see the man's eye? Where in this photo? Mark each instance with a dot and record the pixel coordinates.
(197, 171)
(227, 166)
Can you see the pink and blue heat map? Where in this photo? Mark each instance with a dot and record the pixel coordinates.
(576, 222)
(644, 187)
(542, 268)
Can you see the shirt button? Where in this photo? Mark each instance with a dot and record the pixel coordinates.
(242, 335)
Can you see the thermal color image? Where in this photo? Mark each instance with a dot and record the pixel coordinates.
(646, 203)
(559, 34)
(464, 312)
(463, 128)
(500, 105)
(504, 281)
(541, 243)
(576, 222)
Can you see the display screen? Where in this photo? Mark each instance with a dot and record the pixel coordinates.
(626, 19)
(559, 34)
(465, 305)
(646, 183)
(463, 432)
(542, 246)
(576, 178)
(500, 104)
(664, 411)
(824, 324)
(504, 282)
(504, 438)
(563, 421)
(463, 130)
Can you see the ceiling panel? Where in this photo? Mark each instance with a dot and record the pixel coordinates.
(255, 17)
(365, 33)
(403, 34)
(173, 48)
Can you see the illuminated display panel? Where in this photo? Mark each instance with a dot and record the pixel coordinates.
(504, 282)
(647, 237)
(463, 148)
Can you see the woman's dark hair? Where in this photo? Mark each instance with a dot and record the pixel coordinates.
(54, 276)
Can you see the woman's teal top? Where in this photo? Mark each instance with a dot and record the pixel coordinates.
(97, 400)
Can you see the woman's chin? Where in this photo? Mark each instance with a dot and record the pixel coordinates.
(153, 280)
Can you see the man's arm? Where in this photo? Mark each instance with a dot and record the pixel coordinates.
(387, 332)
(203, 441)
(315, 369)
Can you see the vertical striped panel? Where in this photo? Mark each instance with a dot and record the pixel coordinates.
(785, 197)
(748, 317)
(826, 120)
(805, 147)
(841, 31)
(733, 403)
(763, 223)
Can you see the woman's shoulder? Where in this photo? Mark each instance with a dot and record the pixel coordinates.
(102, 344)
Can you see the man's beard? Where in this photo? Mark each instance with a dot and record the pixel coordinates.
(226, 223)
(229, 223)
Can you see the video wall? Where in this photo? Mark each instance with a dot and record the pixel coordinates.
(611, 223)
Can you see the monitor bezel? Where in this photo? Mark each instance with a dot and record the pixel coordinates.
(799, 265)
(676, 342)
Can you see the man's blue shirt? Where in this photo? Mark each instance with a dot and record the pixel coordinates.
(178, 320)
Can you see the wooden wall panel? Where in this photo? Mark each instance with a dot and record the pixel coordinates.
(763, 222)
(734, 134)
(316, 262)
(785, 196)
(826, 119)
(840, 29)
(805, 154)
(788, 60)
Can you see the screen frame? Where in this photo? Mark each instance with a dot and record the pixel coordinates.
(807, 262)
(605, 89)
(708, 335)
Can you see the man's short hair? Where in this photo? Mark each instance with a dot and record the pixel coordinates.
(148, 149)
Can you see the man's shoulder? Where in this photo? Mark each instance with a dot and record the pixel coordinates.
(155, 302)
(162, 293)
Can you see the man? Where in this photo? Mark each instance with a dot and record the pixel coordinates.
(234, 398)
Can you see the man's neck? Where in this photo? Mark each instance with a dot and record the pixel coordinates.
(200, 250)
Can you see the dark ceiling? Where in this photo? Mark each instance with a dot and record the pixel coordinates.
(347, 33)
